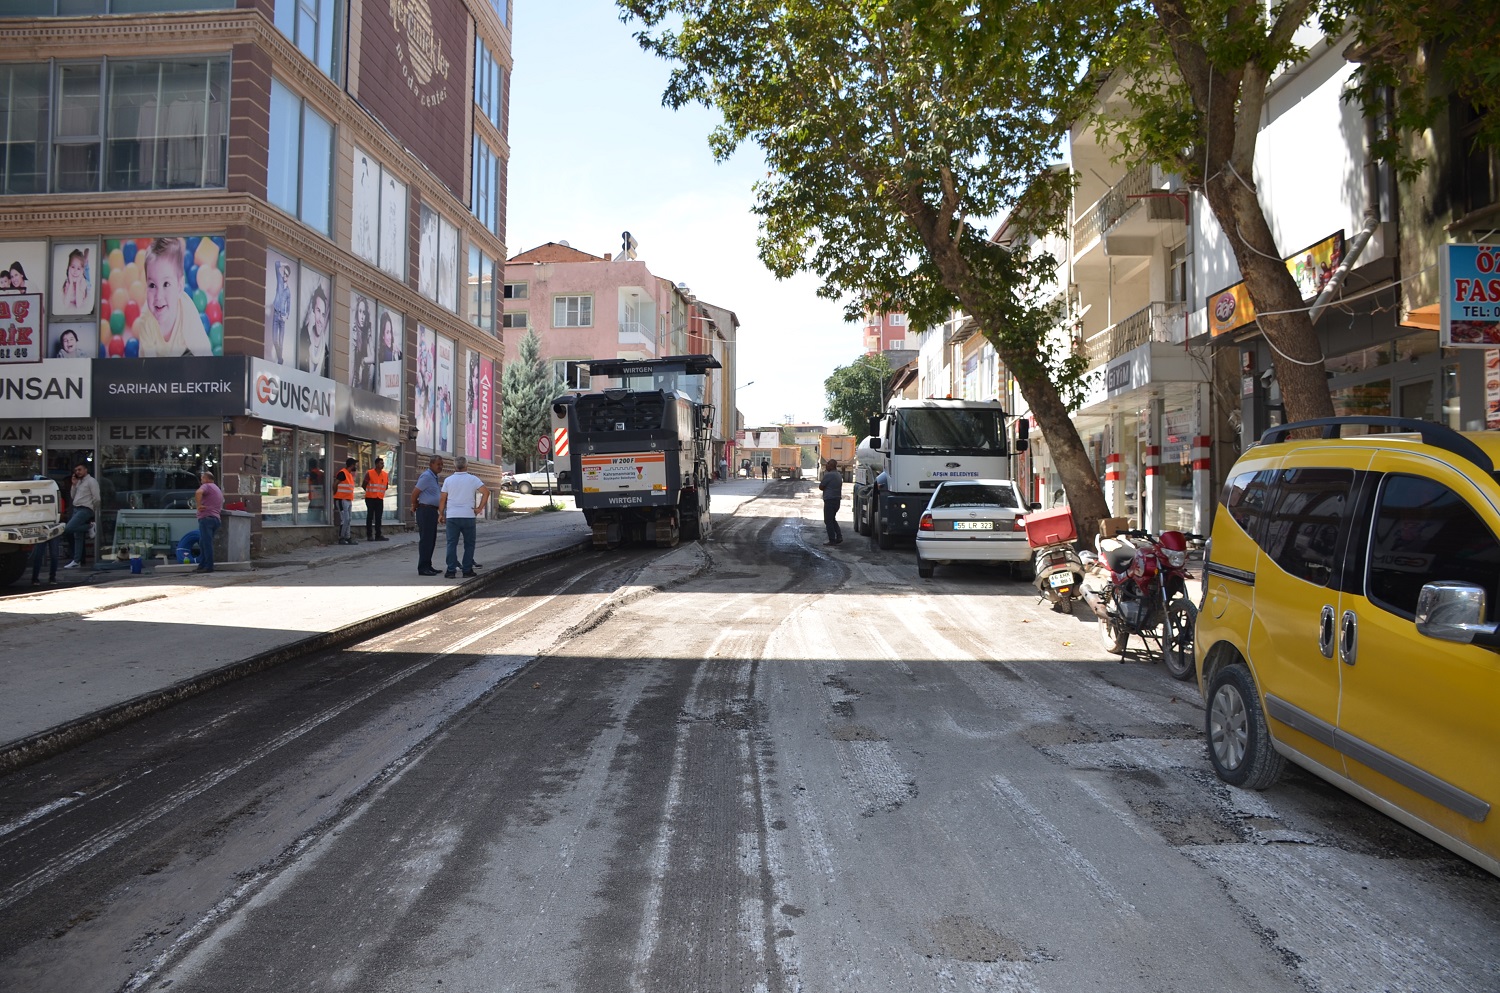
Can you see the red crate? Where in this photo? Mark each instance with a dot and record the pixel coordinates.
(1047, 527)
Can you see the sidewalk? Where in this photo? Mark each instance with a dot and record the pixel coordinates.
(88, 656)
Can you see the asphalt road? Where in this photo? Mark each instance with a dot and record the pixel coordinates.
(753, 764)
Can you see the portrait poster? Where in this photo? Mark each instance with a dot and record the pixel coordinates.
(161, 297)
(363, 371)
(427, 251)
(76, 340)
(486, 409)
(314, 324)
(24, 267)
(422, 396)
(365, 221)
(1492, 389)
(281, 316)
(471, 406)
(74, 279)
(447, 265)
(392, 225)
(388, 350)
(443, 396)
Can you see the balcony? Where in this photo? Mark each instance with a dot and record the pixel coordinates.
(1160, 322)
(637, 337)
(1125, 200)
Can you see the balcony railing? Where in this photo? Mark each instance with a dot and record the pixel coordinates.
(1112, 207)
(634, 334)
(1158, 321)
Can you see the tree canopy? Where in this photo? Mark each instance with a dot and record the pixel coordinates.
(526, 393)
(856, 393)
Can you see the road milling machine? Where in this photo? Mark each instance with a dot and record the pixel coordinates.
(640, 456)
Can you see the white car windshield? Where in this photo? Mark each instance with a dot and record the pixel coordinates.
(975, 495)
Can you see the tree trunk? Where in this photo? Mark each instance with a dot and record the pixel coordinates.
(1080, 481)
(1297, 352)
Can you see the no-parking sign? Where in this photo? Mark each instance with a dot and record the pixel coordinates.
(543, 445)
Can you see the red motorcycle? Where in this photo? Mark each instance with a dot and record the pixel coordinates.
(1140, 588)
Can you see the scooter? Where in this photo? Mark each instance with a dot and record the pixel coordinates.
(1055, 562)
(1141, 589)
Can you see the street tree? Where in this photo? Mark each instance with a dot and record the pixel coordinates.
(526, 393)
(856, 393)
(895, 132)
(1195, 75)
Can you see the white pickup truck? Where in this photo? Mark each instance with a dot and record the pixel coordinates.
(30, 512)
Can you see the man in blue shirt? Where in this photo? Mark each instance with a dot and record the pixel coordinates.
(425, 497)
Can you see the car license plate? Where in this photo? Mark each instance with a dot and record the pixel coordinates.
(973, 525)
(1060, 579)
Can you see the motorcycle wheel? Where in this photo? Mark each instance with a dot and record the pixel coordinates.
(1113, 635)
(1063, 604)
(1177, 637)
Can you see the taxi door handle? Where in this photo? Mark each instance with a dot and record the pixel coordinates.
(1348, 638)
(1325, 632)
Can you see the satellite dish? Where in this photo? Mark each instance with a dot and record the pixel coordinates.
(565, 244)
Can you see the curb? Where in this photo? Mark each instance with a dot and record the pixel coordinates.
(53, 741)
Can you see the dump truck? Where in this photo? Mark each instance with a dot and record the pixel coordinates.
(839, 448)
(786, 462)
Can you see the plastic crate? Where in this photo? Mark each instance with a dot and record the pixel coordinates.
(1047, 527)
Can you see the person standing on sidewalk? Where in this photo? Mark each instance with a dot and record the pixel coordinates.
(425, 498)
(343, 500)
(376, 481)
(209, 501)
(84, 500)
(462, 492)
(832, 485)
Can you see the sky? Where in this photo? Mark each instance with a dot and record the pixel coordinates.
(593, 153)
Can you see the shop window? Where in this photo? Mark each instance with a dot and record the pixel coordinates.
(146, 493)
(1424, 531)
(365, 453)
(299, 159)
(294, 477)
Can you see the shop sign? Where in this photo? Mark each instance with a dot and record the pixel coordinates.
(21, 433)
(21, 328)
(70, 434)
(50, 388)
(187, 431)
(1118, 377)
(367, 416)
(184, 386)
(1230, 309)
(283, 395)
(1469, 310)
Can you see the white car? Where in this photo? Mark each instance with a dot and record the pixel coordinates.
(528, 482)
(972, 520)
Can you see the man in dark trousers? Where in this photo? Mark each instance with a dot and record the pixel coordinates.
(425, 496)
(376, 481)
(832, 485)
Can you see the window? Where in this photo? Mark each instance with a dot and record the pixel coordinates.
(1423, 531)
(314, 27)
(1177, 273)
(488, 79)
(572, 374)
(516, 320)
(897, 320)
(515, 291)
(480, 298)
(299, 167)
(573, 312)
(1478, 166)
(486, 200)
(81, 8)
(1312, 507)
(501, 9)
(437, 258)
(294, 479)
(24, 127)
(1245, 498)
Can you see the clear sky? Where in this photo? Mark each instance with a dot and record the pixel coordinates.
(593, 152)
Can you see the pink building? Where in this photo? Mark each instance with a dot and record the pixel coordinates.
(884, 332)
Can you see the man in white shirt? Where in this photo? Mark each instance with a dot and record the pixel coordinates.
(462, 492)
(84, 501)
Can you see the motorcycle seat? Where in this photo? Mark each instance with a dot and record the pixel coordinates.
(1116, 554)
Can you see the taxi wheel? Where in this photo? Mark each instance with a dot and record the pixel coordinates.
(1239, 743)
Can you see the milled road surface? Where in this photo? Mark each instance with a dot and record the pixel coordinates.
(753, 764)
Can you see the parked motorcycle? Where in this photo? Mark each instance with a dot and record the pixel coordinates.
(1055, 562)
(1142, 590)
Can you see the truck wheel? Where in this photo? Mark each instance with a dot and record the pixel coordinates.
(12, 566)
(861, 517)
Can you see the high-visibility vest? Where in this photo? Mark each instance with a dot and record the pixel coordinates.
(343, 485)
(376, 480)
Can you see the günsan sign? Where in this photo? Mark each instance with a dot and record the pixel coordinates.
(49, 388)
(284, 395)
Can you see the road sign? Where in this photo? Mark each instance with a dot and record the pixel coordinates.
(543, 445)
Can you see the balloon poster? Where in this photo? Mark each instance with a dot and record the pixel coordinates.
(161, 297)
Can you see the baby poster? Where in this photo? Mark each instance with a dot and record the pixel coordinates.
(74, 278)
(161, 297)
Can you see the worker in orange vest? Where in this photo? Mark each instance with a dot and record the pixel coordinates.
(343, 500)
(376, 481)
